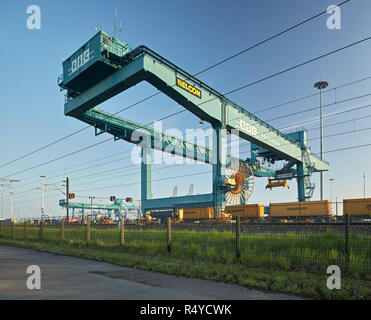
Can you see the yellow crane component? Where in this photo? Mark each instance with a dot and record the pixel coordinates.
(274, 184)
(146, 220)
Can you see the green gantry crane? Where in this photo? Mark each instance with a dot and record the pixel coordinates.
(104, 67)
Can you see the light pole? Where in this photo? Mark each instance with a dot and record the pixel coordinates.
(2, 199)
(321, 85)
(42, 188)
(6, 185)
(67, 182)
(91, 204)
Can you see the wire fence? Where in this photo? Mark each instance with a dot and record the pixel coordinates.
(288, 247)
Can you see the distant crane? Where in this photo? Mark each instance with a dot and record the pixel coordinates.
(175, 191)
(190, 191)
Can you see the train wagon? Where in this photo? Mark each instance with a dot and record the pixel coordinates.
(250, 211)
(196, 213)
(301, 210)
(357, 207)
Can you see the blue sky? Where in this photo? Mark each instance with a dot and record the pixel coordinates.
(193, 35)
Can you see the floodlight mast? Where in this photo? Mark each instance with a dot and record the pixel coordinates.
(320, 85)
(6, 185)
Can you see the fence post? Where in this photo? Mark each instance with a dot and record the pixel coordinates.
(347, 229)
(41, 230)
(88, 231)
(122, 233)
(25, 230)
(169, 234)
(238, 243)
(62, 230)
(11, 229)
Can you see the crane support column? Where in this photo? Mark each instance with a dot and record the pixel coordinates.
(146, 188)
(300, 181)
(219, 164)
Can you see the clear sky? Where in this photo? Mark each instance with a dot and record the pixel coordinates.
(192, 34)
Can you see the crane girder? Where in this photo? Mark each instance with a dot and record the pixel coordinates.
(123, 129)
(143, 64)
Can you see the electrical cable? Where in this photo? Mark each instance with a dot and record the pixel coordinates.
(198, 73)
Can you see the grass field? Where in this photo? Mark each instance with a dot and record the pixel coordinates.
(298, 261)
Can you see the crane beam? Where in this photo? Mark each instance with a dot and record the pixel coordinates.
(143, 64)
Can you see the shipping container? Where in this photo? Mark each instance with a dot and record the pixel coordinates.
(196, 213)
(249, 210)
(93, 62)
(357, 207)
(300, 209)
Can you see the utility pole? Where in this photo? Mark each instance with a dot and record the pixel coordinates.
(68, 195)
(11, 206)
(321, 85)
(2, 200)
(91, 203)
(42, 197)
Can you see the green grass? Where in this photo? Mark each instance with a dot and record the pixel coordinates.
(288, 263)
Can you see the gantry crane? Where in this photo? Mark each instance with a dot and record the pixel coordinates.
(118, 207)
(104, 67)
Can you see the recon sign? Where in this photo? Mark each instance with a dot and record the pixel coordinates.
(188, 87)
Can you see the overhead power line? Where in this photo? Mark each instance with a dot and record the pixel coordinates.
(268, 39)
(324, 106)
(61, 157)
(348, 148)
(310, 96)
(198, 73)
(156, 169)
(298, 65)
(276, 74)
(259, 111)
(232, 91)
(186, 175)
(44, 147)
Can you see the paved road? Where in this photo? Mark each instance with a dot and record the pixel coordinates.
(65, 277)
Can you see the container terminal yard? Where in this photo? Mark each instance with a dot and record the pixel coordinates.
(265, 206)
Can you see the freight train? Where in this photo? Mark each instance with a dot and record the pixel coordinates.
(309, 211)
